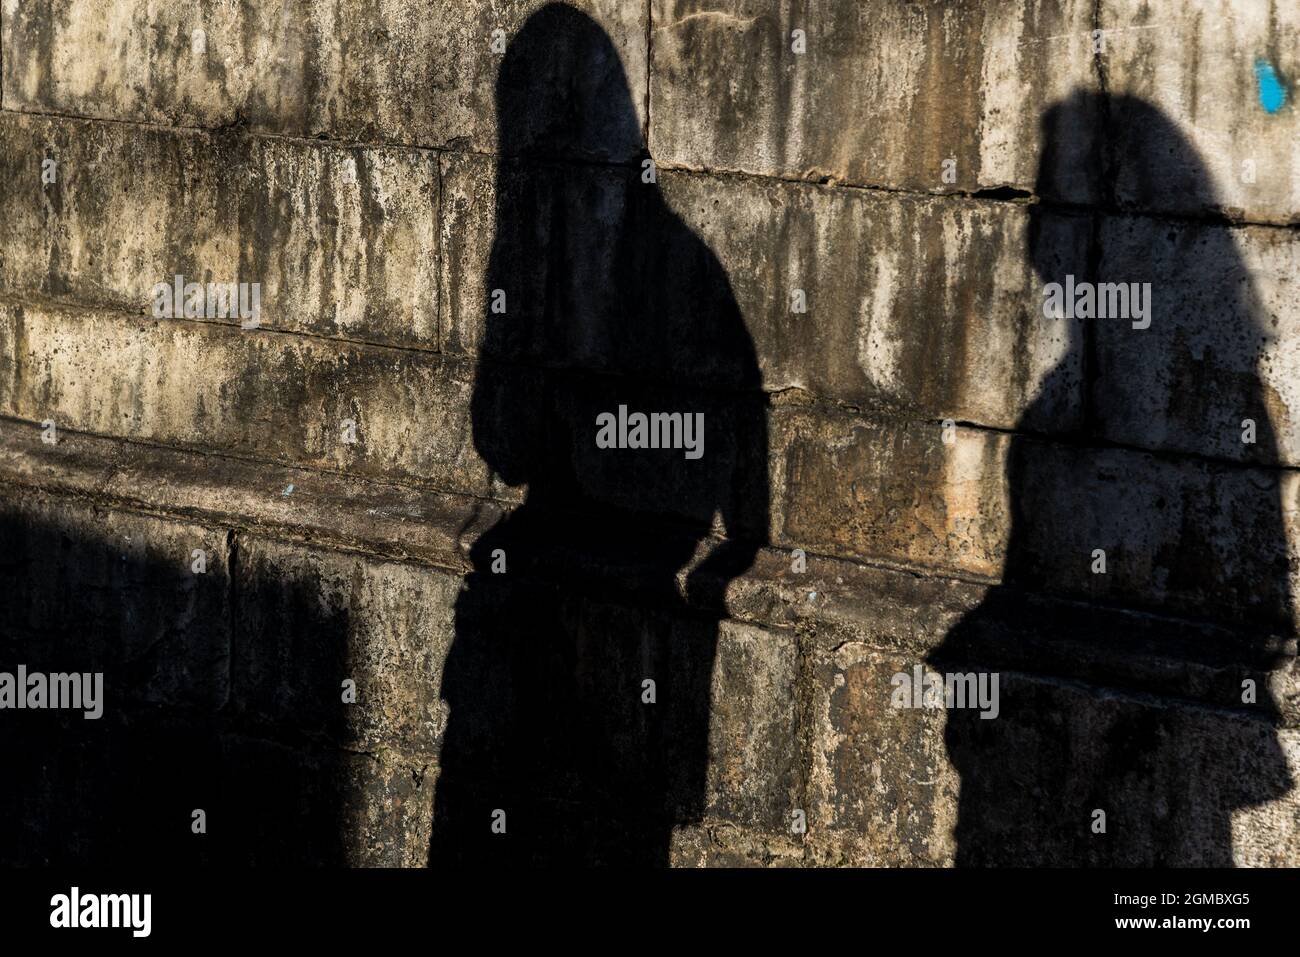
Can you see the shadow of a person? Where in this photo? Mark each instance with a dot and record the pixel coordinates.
(83, 597)
(578, 683)
(1168, 776)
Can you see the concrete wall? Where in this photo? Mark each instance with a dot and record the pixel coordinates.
(944, 458)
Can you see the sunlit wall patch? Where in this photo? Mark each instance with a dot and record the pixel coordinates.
(1272, 92)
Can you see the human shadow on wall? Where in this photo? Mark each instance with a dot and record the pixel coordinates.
(1169, 779)
(244, 733)
(554, 752)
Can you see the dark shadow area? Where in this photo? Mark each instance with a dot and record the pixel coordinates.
(611, 301)
(1169, 776)
(186, 720)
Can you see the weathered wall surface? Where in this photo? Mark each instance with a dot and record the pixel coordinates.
(945, 458)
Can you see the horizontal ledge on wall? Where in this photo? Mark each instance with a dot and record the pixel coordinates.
(835, 603)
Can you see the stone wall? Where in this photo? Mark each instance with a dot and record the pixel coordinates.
(827, 226)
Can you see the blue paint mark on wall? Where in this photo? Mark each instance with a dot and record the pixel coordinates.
(1272, 94)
